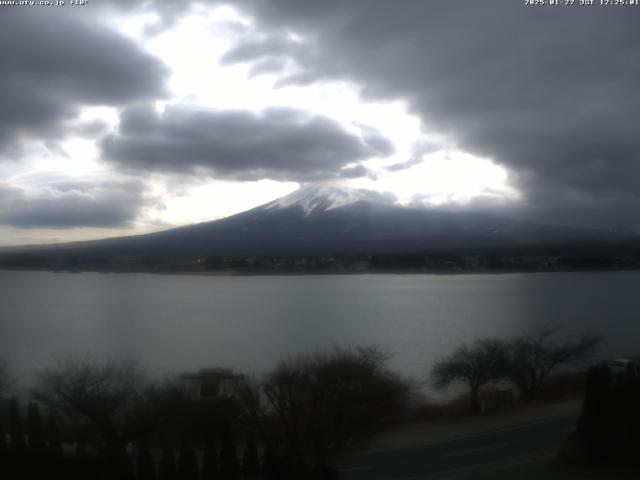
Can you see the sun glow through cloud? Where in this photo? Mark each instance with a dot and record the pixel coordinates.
(193, 48)
(445, 177)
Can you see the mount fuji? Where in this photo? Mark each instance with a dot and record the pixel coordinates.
(317, 221)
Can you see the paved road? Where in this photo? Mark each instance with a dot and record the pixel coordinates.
(464, 457)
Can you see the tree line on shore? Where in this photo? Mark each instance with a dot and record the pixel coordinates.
(115, 423)
(531, 260)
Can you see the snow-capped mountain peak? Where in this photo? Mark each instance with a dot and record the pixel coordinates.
(322, 198)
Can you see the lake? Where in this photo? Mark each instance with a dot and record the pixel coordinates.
(176, 323)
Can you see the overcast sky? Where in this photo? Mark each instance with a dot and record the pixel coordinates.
(126, 117)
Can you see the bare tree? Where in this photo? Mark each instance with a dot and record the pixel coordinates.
(477, 364)
(321, 403)
(102, 397)
(7, 381)
(534, 357)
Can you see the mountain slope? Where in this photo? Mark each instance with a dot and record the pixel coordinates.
(321, 221)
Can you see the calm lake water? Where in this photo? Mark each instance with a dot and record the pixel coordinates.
(180, 323)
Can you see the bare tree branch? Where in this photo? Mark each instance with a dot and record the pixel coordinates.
(99, 395)
(534, 357)
(482, 362)
(321, 403)
(7, 380)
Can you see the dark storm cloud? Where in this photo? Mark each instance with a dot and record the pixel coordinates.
(266, 47)
(418, 151)
(92, 128)
(54, 62)
(279, 54)
(357, 171)
(279, 143)
(376, 140)
(265, 67)
(71, 204)
(550, 92)
(396, 167)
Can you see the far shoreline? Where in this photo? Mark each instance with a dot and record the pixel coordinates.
(299, 273)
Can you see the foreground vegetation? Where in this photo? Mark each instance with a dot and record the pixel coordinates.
(108, 420)
(525, 362)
